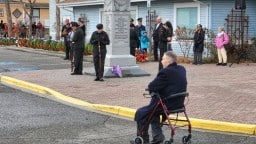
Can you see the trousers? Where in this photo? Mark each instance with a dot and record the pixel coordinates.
(222, 55)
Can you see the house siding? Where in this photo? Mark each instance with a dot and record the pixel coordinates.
(92, 14)
(212, 14)
(220, 10)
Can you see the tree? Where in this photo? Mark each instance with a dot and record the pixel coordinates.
(9, 17)
(184, 37)
(57, 21)
(28, 8)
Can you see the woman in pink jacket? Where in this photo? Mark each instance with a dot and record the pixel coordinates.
(220, 40)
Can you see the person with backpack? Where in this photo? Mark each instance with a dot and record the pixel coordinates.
(220, 40)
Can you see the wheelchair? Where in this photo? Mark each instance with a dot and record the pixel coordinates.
(167, 113)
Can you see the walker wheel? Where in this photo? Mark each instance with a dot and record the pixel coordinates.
(138, 140)
(186, 140)
(166, 142)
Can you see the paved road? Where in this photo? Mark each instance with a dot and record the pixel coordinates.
(27, 119)
(13, 60)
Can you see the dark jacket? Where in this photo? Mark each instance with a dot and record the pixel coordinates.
(99, 38)
(199, 41)
(78, 39)
(156, 32)
(133, 38)
(163, 34)
(170, 80)
(138, 30)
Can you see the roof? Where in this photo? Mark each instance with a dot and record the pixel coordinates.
(74, 3)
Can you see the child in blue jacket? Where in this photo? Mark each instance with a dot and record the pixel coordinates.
(144, 41)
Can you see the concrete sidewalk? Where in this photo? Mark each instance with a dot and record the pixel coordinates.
(219, 94)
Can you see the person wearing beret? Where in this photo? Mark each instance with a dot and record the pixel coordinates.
(99, 40)
(138, 28)
(78, 48)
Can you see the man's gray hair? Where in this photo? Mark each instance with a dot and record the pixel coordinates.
(171, 55)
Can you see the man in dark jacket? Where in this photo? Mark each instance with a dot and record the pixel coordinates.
(99, 40)
(170, 80)
(138, 28)
(64, 33)
(198, 45)
(78, 48)
(133, 40)
(157, 28)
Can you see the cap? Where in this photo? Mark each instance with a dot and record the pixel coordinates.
(131, 20)
(99, 26)
(139, 19)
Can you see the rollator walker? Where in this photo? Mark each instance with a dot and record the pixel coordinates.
(161, 109)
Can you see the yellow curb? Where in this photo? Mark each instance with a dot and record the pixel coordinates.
(128, 112)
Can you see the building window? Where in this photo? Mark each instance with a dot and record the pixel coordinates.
(1, 12)
(36, 15)
(186, 15)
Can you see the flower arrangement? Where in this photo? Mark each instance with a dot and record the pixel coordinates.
(141, 55)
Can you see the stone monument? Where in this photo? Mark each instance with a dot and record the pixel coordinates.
(117, 16)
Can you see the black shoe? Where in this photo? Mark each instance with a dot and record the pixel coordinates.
(76, 73)
(156, 141)
(97, 79)
(218, 64)
(224, 64)
(194, 63)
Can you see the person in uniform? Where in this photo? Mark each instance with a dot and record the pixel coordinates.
(78, 48)
(99, 40)
(133, 40)
(138, 28)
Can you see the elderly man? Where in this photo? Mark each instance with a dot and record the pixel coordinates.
(170, 80)
(156, 31)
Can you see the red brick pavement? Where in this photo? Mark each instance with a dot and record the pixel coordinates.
(216, 93)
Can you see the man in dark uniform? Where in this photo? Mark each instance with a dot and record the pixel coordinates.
(170, 80)
(138, 28)
(157, 28)
(78, 48)
(64, 33)
(99, 40)
(133, 40)
(81, 24)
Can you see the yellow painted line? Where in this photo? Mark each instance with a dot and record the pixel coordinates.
(219, 126)
(128, 112)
